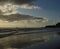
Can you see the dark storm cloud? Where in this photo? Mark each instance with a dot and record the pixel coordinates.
(22, 1)
(18, 17)
(19, 2)
(1, 12)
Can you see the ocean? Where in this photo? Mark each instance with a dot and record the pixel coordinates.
(46, 38)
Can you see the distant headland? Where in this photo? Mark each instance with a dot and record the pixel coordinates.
(53, 26)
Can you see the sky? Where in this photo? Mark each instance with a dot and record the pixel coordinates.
(29, 13)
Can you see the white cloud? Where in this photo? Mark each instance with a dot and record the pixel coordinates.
(45, 20)
(9, 8)
(26, 6)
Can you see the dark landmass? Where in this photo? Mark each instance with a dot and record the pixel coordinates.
(53, 26)
(58, 33)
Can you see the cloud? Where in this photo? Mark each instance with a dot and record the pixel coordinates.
(9, 13)
(18, 2)
(8, 10)
(27, 4)
(21, 17)
(8, 7)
